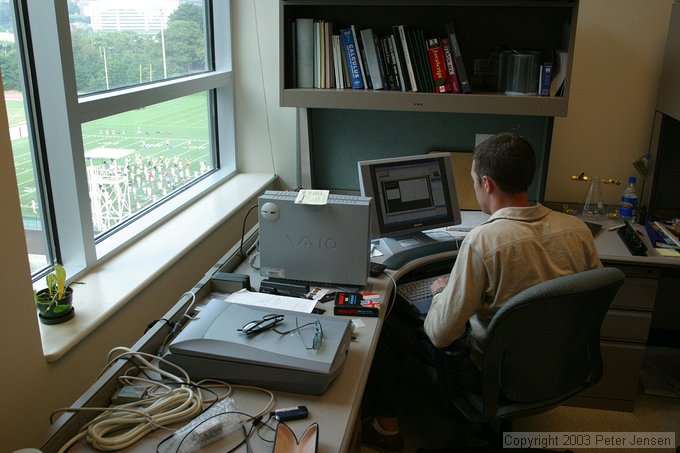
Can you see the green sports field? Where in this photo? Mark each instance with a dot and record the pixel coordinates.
(156, 138)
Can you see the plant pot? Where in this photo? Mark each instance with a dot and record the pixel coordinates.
(55, 312)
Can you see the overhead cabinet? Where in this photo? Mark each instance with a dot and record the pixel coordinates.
(493, 39)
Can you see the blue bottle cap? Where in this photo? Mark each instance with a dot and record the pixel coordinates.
(632, 179)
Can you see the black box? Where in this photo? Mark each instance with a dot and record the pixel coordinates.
(226, 282)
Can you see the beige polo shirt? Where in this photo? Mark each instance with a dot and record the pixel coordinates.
(514, 249)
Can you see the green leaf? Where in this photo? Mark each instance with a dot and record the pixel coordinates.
(61, 307)
(60, 278)
(51, 283)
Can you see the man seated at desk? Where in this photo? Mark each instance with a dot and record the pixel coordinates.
(519, 246)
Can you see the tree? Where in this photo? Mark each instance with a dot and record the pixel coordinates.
(88, 61)
(188, 12)
(75, 16)
(185, 47)
(10, 66)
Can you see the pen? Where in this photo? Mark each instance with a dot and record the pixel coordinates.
(617, 227)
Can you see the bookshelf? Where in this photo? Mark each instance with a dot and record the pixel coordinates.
(481, 26)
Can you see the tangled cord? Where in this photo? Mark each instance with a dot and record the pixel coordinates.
(121, 426)
(176, 400)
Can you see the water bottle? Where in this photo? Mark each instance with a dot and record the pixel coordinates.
(629, 200)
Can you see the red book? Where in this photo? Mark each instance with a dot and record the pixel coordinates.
(440, 74)
(450, 65)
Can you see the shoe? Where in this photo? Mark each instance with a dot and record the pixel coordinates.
(381, 442)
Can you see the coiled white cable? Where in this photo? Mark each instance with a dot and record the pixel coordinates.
(121, 426)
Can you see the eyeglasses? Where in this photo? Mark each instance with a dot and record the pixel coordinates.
(317, 340)
(318, 334)
(260, 325)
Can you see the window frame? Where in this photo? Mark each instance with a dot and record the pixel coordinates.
(63, 112)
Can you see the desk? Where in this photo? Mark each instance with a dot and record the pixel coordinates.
(337, 410)
(626, 328)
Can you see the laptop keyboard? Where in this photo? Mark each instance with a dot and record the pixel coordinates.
(417, 293)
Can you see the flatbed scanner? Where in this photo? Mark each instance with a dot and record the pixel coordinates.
(211, 346)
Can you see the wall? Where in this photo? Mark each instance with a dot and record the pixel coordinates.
(31, 389)
(23, 366)
(617, 66)
(266, 130)
(619, 49)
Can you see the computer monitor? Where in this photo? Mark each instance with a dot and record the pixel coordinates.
(411, 194)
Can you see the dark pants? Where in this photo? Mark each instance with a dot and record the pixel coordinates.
(402, 334)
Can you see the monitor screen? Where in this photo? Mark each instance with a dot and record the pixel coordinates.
(411, 194)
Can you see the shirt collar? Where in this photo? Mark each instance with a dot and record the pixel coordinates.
(525, 214)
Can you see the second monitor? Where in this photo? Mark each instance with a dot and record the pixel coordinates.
(411, 195)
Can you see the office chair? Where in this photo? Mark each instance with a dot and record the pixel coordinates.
(543, 348)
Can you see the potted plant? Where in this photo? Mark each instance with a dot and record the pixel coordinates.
(55, 303)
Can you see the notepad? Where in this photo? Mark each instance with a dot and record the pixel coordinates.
(246, 297)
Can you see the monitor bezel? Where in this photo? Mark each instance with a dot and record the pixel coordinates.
(367, 187)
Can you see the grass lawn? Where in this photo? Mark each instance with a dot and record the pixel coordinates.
(171, 131)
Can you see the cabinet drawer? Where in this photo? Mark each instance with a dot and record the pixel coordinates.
(626, 325)
(637, 293)
(622, 364)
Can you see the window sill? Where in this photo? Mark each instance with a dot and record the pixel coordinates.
(160, 249)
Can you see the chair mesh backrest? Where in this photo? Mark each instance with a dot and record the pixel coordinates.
(544, 342)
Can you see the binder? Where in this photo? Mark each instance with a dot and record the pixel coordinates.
(660, 237)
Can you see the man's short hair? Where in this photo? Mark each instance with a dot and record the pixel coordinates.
(508, 159)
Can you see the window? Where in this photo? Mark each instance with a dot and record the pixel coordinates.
(25, 147)
(135, 102)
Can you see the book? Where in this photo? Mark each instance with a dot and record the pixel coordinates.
(421, 61)
(329, 79)
(304, 52)
(382, 62)
(450, 65)
(401, 33)
(458, 58)
(372, 58)
(392, 77)
(545, 78)
(404, 78)
(353, 59)
(394, 53)
(356, 304)
(661, 236)
(317, 55)
(559, 73)
(361, 55)
(338, 62)
(440, 76)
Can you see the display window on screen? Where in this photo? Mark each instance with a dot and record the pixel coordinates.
(412, 191)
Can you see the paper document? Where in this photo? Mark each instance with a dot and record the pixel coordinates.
(312, 197)
(667, 252)
(246, 297)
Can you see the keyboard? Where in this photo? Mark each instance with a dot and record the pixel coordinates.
(376, 269)
(631, 239)
(417, 293)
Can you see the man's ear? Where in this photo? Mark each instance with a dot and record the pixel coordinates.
(488, 183)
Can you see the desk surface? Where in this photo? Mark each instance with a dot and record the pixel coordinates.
(611, 248)
(337, 410)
